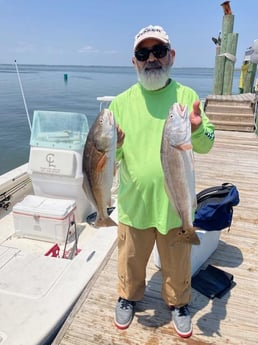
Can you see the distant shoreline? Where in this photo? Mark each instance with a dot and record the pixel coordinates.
(95, 66)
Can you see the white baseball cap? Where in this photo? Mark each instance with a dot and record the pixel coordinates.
(151, 31)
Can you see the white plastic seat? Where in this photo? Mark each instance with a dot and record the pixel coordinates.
(56, 153)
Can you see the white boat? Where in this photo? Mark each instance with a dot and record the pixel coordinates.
(48, 252)
(42, 269)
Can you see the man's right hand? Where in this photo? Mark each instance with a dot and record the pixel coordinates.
(120, 136)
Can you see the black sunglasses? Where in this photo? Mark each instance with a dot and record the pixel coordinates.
(159, 51)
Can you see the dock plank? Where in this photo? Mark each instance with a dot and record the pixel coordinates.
(232, 319)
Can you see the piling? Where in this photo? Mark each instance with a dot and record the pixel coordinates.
(225, 55)
(230, 63)
(226, 111)
(250, 77)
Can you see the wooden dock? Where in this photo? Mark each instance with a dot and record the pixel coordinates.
(233, 319)
(232, 112)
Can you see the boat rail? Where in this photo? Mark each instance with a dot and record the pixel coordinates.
(104, 101)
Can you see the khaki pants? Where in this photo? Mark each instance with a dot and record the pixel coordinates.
(134, 249)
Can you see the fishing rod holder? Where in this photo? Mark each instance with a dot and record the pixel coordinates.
(5, 202)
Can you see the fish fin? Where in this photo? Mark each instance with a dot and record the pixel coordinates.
(185, 147)
(87, 191)
(101, 163)
(105, 222)
(114, 169)
(186, 236)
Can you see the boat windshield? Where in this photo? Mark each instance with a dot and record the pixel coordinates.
(61, 130)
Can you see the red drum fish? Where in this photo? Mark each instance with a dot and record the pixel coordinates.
(98, 165)
(178, 166)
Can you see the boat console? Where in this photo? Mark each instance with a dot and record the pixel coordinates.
(55, 162)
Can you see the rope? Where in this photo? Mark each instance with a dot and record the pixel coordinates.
(229, 56)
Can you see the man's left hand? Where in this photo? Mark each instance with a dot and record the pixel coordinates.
(195, 116)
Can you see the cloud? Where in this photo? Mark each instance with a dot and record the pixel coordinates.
(88, 49)
(110, 52)
(29, 48)
(24, 47)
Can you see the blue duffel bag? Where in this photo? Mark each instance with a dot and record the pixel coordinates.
(215, 207)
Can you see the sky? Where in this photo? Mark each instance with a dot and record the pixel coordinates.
(101, 32)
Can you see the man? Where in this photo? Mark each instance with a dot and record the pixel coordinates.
(144, 211)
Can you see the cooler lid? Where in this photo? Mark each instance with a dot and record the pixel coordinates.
(46, 207)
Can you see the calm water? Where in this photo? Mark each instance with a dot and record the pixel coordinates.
(45, 89)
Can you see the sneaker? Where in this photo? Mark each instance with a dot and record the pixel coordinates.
(182, 321)
(124, 313)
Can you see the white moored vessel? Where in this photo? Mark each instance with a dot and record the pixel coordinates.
(48, 252)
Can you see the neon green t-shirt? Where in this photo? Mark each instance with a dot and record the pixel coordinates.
(142, 199)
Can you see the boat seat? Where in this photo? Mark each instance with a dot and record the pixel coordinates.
(56, 154)
(54, 162)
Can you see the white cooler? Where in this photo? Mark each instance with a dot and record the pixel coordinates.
(209, 241)
(43, 218)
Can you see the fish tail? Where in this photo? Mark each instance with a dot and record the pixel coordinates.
(186, 235)
(105, 222)
(193, 238)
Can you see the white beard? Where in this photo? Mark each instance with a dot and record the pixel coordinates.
(154, 79)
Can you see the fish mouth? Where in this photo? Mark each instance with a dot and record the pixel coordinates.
(110, 118)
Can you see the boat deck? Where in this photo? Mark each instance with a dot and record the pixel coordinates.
(233, 319)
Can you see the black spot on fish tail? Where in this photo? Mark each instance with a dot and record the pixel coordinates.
(186, 236)
(105, 222)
